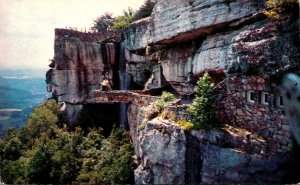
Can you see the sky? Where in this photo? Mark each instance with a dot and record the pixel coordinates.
(27, 26)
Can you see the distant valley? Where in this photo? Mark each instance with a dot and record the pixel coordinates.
(20, 92)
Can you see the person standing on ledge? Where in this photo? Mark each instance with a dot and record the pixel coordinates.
(105, 84)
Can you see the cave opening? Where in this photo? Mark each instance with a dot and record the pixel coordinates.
(101, 115)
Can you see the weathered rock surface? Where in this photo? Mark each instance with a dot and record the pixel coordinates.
(248, 49)
(80, 67)
(179, 20)
(162, 152)
(183, 39)
(188, 37)
(80, 62)
(169, 155)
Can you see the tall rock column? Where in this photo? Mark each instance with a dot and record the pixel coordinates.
(81, 60)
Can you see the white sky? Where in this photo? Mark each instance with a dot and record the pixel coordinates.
(27, 26)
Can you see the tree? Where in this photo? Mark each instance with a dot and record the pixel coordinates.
(103, 22)
(42, 152)
(11, 146)
(13, 172)
(40, 165)
(107, 161)
(43, 119)
(123, 20)
(201, 110)
(144, 11)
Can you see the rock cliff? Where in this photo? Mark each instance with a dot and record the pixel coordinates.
(167, 154)
(245, 53)
(81, 60)
(236, 43)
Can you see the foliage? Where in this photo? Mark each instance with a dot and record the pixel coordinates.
(165, 98)
(13, 172)
(108, 160)
(103, 22)
(201, 110)
(123, 20)
(43, 153)
(275, 7)
(107, 20)
(43, 119)
(186, 125)
(144, 11)
(170, 115)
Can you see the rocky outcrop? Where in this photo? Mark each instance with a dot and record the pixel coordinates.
(244, 52)
(167, 154)
(162, 152)
(81, 60)
(179, 21)
(188, 37)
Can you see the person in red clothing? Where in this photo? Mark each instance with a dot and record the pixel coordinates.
(105, 84)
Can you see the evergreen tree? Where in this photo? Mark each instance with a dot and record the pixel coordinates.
(201, 110)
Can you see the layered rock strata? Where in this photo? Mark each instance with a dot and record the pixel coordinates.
(81, 60)
(167, 154)
(244, 52)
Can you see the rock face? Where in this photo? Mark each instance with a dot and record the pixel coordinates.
(188, 37)
(162, 152)
(80, 62)
(244, 52)
(167, 154)
(179, 21)
(232, 39)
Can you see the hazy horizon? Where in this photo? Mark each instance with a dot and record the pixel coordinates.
(27, 27)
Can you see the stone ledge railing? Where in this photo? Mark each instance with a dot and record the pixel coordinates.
(114, 35)
(118, 96)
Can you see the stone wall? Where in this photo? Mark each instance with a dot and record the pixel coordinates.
(264, 117)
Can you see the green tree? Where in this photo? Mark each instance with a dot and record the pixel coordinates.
(11, 146)
(40, 165)
(43, 119)
(13, 172)
(66, 162)
(109, 161)
(201, 110)
(103, 22)
(41, 152)
(123, 20)
(163, 101)
(144, 11)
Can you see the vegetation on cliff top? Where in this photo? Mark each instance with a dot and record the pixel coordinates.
(43, 152)
(106, 21)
